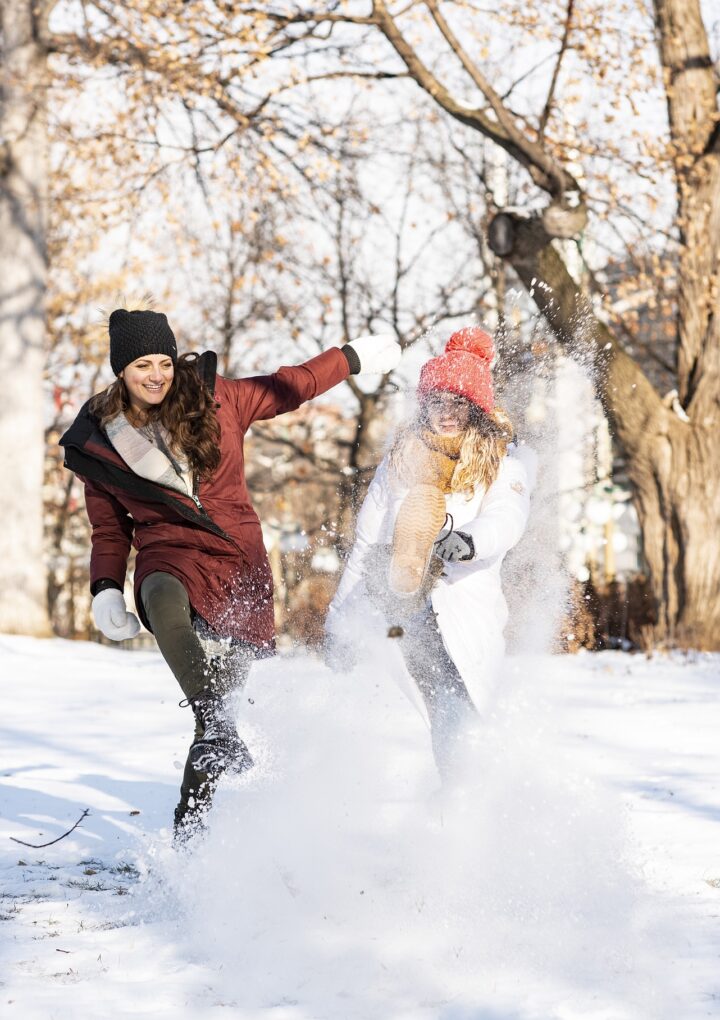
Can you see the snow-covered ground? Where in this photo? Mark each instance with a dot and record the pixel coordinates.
(574, 873)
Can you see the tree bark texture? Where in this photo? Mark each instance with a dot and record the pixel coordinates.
(678, 476)
(23, 214)
(691, 91)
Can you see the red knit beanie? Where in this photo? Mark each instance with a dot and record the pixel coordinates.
(464, 368)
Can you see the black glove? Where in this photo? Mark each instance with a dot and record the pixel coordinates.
(455, 547)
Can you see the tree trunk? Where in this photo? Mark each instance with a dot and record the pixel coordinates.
(677, 495)
(350, 490)
(23, 212)
(672, 463)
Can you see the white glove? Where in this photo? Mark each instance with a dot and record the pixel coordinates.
(376, 352)
(111, 615)
(455, 547)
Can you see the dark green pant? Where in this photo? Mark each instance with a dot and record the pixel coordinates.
(201, 661)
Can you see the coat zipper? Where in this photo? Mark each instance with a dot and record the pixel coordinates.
(196, 500)
(194, 494)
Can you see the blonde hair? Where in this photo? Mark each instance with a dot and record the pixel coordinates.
(482, 448)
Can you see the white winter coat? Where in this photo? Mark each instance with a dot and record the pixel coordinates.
(468, 600)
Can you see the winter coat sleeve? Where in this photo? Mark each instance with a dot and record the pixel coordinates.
(504, 510)
(265, 396)
(112, 532)
(367, 531)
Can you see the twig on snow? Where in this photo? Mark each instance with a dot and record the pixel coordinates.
(39, 846)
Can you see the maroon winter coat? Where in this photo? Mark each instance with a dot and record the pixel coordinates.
(215, 550)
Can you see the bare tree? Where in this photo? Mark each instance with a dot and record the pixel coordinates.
(672, 444)
(23, 214)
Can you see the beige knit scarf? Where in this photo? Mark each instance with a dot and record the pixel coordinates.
(426, 464)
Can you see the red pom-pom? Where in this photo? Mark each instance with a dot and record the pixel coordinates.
(474, 340)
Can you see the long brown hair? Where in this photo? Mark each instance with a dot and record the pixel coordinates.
(483, 447)
(187, 412)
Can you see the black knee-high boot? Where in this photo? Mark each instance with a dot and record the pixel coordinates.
(207, 682)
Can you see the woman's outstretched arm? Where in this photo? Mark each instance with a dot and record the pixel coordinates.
(265, 396)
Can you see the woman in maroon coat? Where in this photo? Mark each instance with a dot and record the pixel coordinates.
(161, 455)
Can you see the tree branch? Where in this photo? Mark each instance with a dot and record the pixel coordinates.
(313, 17)
(545, 115)
(40, 846)
(543, 169)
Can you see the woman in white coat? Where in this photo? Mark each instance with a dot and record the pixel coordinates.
(446, 504)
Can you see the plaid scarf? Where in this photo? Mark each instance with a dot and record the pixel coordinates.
(148, 452)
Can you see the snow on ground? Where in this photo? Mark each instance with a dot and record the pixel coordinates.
(573, 873)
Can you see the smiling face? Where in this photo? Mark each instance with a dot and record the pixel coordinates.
(447, 414)
(148, 380)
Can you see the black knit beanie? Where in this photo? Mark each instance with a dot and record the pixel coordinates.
(136, 334)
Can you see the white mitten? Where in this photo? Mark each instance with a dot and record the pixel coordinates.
(455, 547)
(376, 352)
(111, 615)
